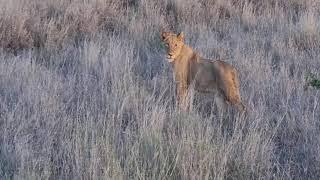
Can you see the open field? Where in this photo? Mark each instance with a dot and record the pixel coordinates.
(86, 92)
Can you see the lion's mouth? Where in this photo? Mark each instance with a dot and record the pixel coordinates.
(169, 58)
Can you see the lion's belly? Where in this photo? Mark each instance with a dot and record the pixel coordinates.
(205, 80)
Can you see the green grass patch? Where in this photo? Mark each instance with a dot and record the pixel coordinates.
(313, 81)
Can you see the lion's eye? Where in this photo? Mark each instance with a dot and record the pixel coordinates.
(176, 45)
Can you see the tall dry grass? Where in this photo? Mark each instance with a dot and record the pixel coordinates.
(85, 92)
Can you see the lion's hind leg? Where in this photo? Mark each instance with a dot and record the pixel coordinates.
(241, 107)
(233, 92)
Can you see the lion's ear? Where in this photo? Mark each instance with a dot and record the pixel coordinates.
(181, 36)
(164, 35)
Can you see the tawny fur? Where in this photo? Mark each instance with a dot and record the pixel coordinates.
(190, 70)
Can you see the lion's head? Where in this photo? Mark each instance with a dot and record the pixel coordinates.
(174, 43)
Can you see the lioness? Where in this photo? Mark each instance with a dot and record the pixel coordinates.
(216, 77)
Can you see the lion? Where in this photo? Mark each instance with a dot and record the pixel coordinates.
(203, 75)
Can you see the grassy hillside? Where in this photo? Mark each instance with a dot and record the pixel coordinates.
(86, 93)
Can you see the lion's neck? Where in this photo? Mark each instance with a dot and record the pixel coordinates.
(186, 55)
(181, 64)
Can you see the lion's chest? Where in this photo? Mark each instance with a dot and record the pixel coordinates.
(181, 72)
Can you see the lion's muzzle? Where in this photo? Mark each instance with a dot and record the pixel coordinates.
(170, 58)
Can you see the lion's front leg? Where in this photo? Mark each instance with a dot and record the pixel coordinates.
(183, 98)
